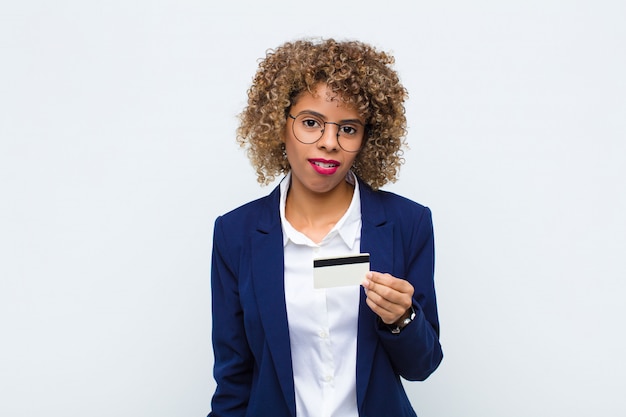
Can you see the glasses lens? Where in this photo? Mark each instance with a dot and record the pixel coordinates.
(309, 129)
(350, 136)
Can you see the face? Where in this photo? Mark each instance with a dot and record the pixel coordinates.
(322, 166)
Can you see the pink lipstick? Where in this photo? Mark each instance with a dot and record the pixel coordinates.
(324, 166)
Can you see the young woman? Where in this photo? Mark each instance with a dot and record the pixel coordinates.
(329, 117)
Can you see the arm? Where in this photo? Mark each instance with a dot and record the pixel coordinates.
(233, 359)
(415, 352)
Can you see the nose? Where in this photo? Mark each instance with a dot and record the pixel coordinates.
(330, 136)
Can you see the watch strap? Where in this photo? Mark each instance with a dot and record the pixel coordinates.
(397, 327)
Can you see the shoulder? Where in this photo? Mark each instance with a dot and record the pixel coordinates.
(263, 210)
(396, 200)
(392, 206)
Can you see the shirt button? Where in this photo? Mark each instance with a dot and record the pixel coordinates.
(323, 334)
(328, 378)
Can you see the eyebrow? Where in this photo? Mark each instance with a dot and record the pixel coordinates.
(321, 116)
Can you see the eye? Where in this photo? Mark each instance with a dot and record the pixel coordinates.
(348, 130)
(309, 122)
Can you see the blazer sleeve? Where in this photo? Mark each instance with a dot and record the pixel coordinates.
(233, 358)
(415, 352)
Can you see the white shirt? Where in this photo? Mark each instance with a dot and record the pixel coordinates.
(322, 322)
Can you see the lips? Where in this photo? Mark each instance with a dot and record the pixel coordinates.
(324, 166)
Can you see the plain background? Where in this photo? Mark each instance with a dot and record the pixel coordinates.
(117, 152)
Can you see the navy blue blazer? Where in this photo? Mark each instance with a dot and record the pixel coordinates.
(253, 367)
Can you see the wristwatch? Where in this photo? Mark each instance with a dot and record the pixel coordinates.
(397, 327)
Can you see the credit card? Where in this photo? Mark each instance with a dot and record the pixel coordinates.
(340, 271)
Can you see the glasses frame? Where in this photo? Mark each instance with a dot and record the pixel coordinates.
(293, 126)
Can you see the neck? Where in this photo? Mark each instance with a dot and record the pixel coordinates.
(315, 214)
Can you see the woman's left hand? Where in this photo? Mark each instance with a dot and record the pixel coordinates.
(389, 297)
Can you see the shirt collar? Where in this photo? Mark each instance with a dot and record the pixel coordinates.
(348, 227)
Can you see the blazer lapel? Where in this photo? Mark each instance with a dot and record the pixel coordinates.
(269, 286)
(377, 240)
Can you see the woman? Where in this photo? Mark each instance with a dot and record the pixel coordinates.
(329, 116)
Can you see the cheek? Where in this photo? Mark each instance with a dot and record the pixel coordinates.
(350, 160)
(291, 144)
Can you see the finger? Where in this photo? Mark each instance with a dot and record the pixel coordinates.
(380, 278)
(386, 316)
(390, 281)
(396, 308)
(387, 294)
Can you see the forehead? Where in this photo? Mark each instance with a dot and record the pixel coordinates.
(324, 101)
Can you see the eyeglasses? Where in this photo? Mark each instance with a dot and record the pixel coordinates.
(308, 128)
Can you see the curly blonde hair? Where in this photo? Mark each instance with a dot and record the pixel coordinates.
(358, 73)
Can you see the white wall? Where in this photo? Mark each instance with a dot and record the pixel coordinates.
(117, 153)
